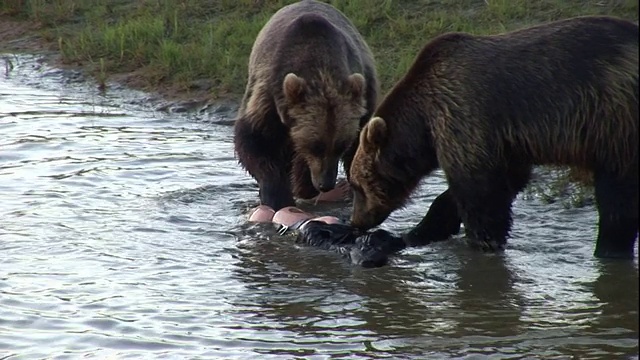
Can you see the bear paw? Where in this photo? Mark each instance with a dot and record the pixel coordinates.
(341, 192)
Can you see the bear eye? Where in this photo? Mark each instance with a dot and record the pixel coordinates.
(341, 147)
(317, 149)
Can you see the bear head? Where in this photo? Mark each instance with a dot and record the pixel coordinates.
(323, 116)
(373, 190)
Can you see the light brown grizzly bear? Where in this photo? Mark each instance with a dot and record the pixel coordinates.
(312, 84)
(486, 109)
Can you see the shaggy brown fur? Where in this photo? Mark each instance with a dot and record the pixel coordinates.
(312, 84)
(487, 108)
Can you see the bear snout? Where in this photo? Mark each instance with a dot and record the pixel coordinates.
(326, 179)
(326, 185)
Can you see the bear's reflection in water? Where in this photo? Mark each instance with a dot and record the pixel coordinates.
(444, 300)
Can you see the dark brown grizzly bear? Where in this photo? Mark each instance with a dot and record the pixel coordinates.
(486, 109)
(312, 84)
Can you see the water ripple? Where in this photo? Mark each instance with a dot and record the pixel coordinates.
(123, 235)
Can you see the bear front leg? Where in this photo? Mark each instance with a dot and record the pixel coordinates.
(301, 180)
(275, 192)
(617, 203)
(347, 158)
(350, 152)
(266, 156)
(441, 221)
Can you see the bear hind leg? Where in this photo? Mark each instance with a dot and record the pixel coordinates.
(443, 218)
(484, 203)
(617, 203)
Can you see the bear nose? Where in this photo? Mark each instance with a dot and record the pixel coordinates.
(326, 179)
(325, 186)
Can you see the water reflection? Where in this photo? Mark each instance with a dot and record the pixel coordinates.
(616, 289)
(321, 301)
(486, 296)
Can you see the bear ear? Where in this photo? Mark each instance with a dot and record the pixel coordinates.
(284, 117)
(374, 134)
(356, 84)
(293, 87)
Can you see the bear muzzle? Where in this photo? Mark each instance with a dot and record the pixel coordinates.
(365, 221)
(326, 179)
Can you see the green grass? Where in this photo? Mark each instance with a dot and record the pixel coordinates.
(569, 187)
(177, 42)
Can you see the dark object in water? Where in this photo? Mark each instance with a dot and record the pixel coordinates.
(369, 249)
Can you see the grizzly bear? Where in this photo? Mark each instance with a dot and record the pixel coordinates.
(312, 84)
(486, 109)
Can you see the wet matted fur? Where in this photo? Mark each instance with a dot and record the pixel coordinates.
(486, 109)
(312, 84)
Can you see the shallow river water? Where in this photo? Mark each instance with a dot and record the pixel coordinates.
(123, 235)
